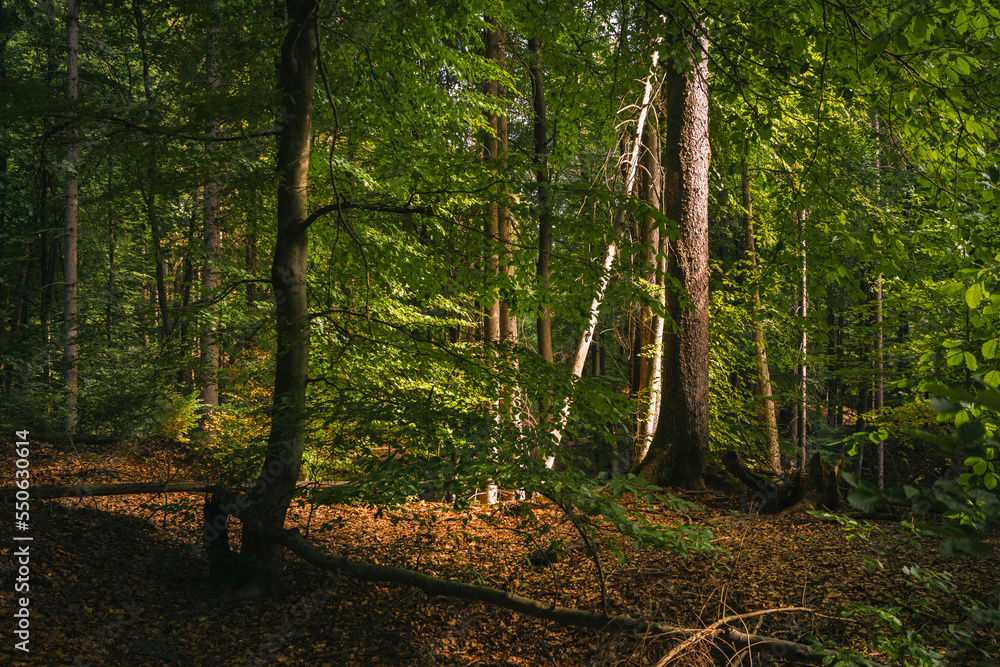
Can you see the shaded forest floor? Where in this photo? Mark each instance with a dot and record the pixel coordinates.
(117, 581)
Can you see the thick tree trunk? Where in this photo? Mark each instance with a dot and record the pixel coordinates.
(70, 351)
(677, 452)
(766, 410)
(286, 440)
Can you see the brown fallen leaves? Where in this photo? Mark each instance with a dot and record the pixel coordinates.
(119, 581)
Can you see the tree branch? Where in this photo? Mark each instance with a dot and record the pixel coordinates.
(786, 650)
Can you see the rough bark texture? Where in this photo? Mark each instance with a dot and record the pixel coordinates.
(70, 352)
(286, 440)
(677, 452)
(766, 410)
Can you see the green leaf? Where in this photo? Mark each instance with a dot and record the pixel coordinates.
(975, 294)
(991, 348)
(970, 361)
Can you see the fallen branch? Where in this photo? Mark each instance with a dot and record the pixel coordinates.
(786, 650)
(714, 629)
(9, 493)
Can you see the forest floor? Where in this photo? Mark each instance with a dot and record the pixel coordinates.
(118, 581)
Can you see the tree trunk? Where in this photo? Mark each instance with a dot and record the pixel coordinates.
(676, 454)
(158, 269)
(491, 226)
(70, 352)
(583, 346)
(215, 530)
(544, 323)
(208, 379)
(766, 410)
(646, 350)
(803, 346)
(879, 334)
(286, 440)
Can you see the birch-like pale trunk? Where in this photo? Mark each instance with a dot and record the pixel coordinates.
(583, 346)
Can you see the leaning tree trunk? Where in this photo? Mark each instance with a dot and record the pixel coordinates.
(677, 452)
(583, 346)
(275, 485)
(70, 352)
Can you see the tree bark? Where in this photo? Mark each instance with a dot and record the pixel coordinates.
(804, 343)
(647, 350)
(208, 379)
(766, 410)
(286, 440)
(491, 226)
(677, 452)
(541, 145)
(70, 350)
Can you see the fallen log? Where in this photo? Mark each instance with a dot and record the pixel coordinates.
(343, 568)
(9, 493)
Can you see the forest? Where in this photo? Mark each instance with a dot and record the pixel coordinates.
(473, 332)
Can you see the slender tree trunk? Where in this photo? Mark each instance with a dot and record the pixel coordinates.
(803, 346)
(544, 323)
(677, 452)
(583, 346)
(159, 271)
(110, 308)
(831, 363)
(208, 379)
(647, 352)
(216, 528)
(491, 229)
(879, 333)
(840, 366)
(495, 320)
(767, 414)
(149, 195)
(275, 486)
(70, 351)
